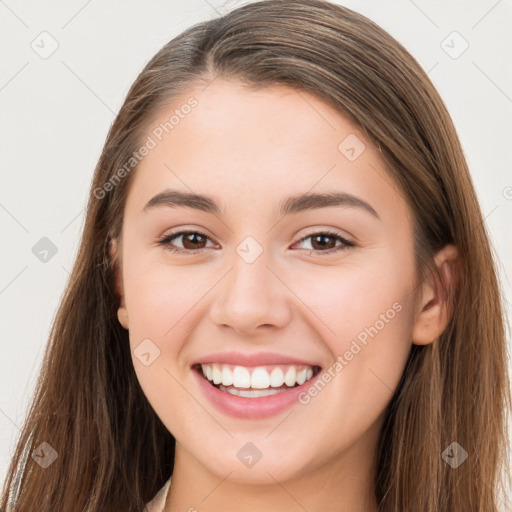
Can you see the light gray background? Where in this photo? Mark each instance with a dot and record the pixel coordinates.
(56, 112)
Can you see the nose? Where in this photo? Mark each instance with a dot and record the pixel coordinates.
(251, 297)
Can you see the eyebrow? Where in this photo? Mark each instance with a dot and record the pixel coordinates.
(291, 205)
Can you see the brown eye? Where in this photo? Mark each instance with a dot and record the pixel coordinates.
(325, 242)
(192, 241)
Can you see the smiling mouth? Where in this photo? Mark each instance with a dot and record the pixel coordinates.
(255, 382)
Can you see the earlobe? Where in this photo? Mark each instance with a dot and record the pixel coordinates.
(122, 316)
(122, 312)
(436, 307)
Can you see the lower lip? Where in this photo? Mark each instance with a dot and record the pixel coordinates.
(251, 408)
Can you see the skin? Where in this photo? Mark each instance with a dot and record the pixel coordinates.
(249, 150)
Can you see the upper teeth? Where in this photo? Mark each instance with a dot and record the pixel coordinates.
(260, 378)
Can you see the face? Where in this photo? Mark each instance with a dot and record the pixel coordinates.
(260, 290)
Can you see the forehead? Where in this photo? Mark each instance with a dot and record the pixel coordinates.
(254, 147)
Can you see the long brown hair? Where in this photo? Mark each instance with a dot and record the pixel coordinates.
(113, 452)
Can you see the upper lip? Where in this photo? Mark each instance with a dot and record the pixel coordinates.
(254, 359)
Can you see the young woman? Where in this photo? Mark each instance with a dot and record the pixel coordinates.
(284, 297)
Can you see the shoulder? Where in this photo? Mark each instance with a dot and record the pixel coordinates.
(158, 502)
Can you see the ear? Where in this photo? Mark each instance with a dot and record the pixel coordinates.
(114, 252)
(436, 308)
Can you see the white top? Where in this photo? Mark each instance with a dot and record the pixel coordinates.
(158, 502)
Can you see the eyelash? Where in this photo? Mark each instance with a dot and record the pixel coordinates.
(166, 242)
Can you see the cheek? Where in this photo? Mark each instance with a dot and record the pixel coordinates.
(163, 304)
(364, 311)
(349, 298)
(159, 297)
(160, 303)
